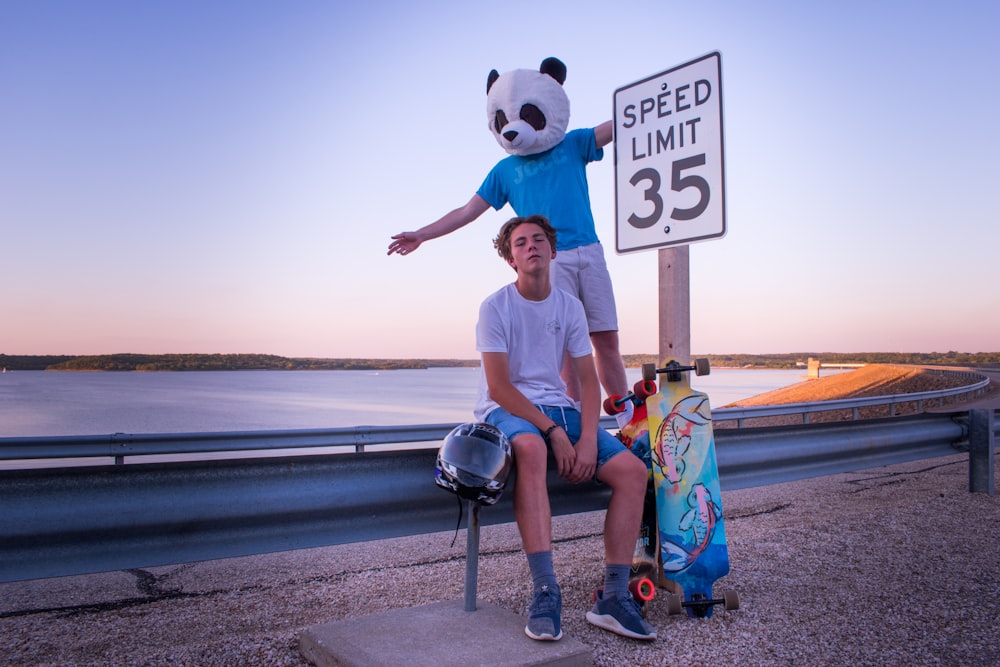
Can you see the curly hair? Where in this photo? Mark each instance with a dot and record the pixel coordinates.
(502, 241)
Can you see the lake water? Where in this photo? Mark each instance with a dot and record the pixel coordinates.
(47, 403)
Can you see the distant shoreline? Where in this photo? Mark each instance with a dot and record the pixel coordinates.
(233, 362)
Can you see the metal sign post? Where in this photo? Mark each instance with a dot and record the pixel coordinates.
(675, 303)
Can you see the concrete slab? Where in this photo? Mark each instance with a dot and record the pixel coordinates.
(437, 635)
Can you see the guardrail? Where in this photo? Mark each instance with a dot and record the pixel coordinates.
(61, 521)
(172, 499)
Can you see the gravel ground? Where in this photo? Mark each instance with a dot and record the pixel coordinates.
(890, 566)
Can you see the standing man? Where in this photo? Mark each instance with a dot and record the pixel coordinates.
(526, 331)
(545, 173)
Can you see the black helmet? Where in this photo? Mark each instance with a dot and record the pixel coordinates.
(474, 462)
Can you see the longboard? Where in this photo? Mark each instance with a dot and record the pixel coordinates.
(692, 532)
(634, 434)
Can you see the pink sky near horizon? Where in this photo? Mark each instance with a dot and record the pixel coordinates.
(224, 178)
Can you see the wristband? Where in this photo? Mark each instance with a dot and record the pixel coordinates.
(548, 431)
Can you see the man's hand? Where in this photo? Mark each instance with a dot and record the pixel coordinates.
(585, 465)
(404, 243)
(564, 452)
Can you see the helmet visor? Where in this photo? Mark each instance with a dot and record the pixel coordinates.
(475, 457)
(478, 449)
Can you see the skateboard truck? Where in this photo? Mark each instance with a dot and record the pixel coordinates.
(699, 604)
(642, 390)
(673, 370)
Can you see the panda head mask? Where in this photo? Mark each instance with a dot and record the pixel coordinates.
(528, 110)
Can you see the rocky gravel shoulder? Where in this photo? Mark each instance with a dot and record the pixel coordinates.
(867, 381)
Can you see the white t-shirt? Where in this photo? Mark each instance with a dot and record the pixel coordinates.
(535, 335)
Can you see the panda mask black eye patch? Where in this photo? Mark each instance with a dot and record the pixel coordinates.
(500, 120)
(533, 116)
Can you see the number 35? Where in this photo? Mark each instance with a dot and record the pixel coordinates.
(677, 184)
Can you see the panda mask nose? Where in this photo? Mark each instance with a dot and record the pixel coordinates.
(520, 135)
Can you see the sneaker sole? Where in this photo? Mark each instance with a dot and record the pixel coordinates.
(543, 638)
(611, 623)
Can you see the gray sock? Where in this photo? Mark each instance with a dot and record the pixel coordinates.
(542, 572)
(616, 580)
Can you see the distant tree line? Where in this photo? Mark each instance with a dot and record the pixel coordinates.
(270, 362)
(214, 362)
(796, 359)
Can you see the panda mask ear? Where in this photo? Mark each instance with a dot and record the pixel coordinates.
(528, 111)
(554, 68)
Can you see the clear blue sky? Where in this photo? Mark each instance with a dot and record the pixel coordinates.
(199, 176)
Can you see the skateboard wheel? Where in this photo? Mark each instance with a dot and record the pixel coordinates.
(702, 366)
(613, 404)
(644, 389)
(649, 371)
(643, 589)
(731, 600)
(675, 605)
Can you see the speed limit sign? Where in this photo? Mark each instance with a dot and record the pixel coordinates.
(669, 169)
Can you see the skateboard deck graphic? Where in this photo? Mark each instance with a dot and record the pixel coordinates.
(634, 434)
(692, 531)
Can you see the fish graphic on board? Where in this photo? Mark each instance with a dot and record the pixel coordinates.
(674, 435)
(699, 522)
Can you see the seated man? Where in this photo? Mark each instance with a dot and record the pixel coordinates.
(525, 332)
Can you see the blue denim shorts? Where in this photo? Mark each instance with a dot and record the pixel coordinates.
(608, 445)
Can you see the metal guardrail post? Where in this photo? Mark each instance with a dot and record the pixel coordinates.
(981, 442)
(472, 557)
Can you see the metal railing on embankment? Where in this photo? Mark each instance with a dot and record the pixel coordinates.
(977, 385)
(172, 499)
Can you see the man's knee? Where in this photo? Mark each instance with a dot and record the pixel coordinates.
(626, 470)
(530, 452)
(637, 470)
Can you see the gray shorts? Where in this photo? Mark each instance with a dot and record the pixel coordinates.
(583, 272)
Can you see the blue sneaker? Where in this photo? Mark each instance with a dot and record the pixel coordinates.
(620, 615)
(544, 615)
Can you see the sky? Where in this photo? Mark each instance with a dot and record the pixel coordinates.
(225, 176)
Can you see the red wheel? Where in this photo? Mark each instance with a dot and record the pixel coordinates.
(643, 590)
(613, 404)
(643, 389)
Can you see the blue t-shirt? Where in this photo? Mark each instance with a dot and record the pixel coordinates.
(553, 184)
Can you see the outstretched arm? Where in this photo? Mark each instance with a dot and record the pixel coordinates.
(604, 133)
(406, 242)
